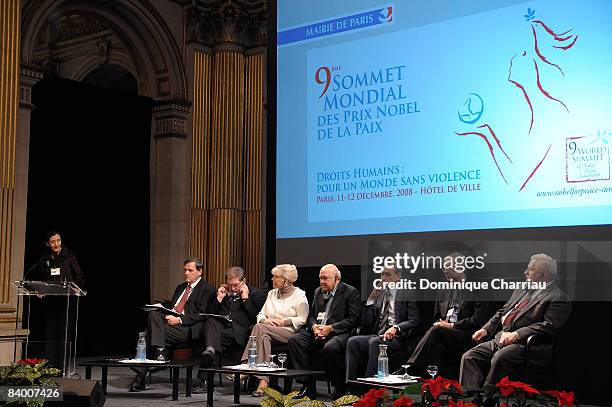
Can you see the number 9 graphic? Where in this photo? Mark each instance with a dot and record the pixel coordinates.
(572, 147)
(325, 81)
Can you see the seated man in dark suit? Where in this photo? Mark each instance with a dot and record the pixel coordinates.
(388, 317)
(529, 311)
(333, 314)
(458, 316)
(242, 303)
(190, 299)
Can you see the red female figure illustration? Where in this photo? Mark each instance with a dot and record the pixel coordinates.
(541, 63)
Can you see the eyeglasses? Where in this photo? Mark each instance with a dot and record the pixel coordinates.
(279, 277)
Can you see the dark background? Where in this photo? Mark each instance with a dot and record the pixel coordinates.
(89, 179)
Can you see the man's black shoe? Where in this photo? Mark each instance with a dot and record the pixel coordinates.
(208, 358)
(138, 384)
(306, 391)
(199, 387)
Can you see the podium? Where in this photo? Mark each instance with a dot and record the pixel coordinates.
(42, 289)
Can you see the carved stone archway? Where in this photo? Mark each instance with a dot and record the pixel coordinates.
(72, 39)
(203, 62)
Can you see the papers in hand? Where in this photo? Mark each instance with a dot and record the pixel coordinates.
(161, 308)
(391, 379)
(216, 316)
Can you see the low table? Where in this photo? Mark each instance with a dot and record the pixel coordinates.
(286, 374)
(393, 387)
(173, 365)
(367, 383)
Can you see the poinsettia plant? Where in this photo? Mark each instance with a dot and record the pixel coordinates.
(432, 389)
(519, 394)
(273, 398)
(373, 398)
(29, 372)
(438, 392)
(564, 398)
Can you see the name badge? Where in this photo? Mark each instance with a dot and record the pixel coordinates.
(320, 317)
(55, 271)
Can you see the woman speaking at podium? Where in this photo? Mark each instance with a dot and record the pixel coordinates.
(58, 264)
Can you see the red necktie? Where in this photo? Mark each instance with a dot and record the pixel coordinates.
(181, 305)
(514, 313)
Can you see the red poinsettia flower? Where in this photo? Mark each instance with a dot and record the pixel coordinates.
(370, 399)
(435, 386)
(375, 393)
(438, 385)
(460, 403)
(365, 403)
(564, 398)
(456, 385)
(403, 401)
(30, 361)
(507, 387)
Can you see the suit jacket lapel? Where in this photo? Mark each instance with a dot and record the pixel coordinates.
(401, 301)
(460, 301)
(196, 291)
(177, 293)
(536, 299)
(399, 298)
(444, 303)
(516, 297)
(335, 299)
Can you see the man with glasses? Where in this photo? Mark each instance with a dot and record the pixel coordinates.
(241, 303)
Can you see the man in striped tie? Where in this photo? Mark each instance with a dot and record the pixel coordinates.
(190, 298)
(542, 311)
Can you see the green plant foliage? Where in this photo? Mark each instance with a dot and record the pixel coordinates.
(29, 372)
(349, 399)
(414, 388)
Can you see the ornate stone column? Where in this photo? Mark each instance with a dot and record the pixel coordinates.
(11, 267)
(170, 195)
(199, 65)
(227, 160)
(253, 249)
(227, 143)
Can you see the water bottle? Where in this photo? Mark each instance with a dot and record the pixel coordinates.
(252, 351)
(383, 363)
(141, 347)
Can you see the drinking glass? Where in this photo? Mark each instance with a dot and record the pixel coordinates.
(271, 361)
(405, 376)
(282, 358)
(432, 370)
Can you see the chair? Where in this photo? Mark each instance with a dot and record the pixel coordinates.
(540, 361)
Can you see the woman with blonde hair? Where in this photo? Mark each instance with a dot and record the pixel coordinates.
(283, 313)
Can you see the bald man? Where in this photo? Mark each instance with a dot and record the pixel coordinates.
(333, 314)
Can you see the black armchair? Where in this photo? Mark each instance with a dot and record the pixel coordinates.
(540, 365)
